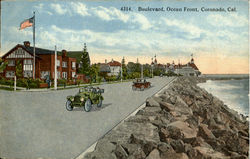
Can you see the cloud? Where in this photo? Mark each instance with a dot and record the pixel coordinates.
(231, 20)
(142, 20)
(40, 9)
(109, 14)
(61, 10)
(182, 26)
(80, 8)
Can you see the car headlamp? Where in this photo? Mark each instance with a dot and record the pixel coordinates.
(82, 99)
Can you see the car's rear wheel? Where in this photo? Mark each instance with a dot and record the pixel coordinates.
(99, 104)
(69, 105)
(133, 88)
(87, 105)
(142, 88)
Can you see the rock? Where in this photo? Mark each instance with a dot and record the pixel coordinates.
(172, 99)
(120, 152)
(152, 110)
(167, 106)
(151, 102)
(154, 155)
(165, 148)
(204, 132)
(104, 150)
(193, 121)
(182, 107)
(138, 119)
(178, 146)
(146, 145)
(163, 134)
(205, 152)
(174, 155)
(196, 141)
(104, 145)
(180, 129)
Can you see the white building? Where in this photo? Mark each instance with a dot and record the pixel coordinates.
(115, 68)
(189, 69)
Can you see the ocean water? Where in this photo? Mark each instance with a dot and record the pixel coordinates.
(234, 93)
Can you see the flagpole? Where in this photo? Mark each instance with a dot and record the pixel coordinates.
(55, 77)
(34, 50)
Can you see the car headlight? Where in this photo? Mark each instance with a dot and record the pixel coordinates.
(82, 99)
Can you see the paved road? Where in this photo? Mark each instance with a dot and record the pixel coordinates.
(36, 124)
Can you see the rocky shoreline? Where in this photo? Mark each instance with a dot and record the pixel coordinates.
(182, 122)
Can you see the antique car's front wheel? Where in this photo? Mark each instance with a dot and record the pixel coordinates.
(87, 105)
(69, 106)
(99, 104)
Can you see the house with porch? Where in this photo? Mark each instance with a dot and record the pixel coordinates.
(44, 62)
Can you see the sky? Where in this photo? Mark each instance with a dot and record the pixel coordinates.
(218, 40)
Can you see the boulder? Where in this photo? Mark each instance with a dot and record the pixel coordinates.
(204, 132)
(120, 152)
(174, 155)
(167, 106)
(205, 152)
(155, 154)
(178, 146)
(196, 141)
(146, 145)
(163, 134)
(138, 119)
(151, 102)
(180, 130)
(165, 148)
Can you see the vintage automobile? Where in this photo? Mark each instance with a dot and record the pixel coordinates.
(85, 98)
(140, 84)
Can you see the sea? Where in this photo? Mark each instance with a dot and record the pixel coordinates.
(233, 92)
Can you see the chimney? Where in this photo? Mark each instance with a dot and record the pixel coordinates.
(105, 61)
(64, 53)
(26, 43)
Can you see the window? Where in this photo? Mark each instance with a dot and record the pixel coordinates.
(58, 74)
(64, 75)
(27, 73)
(80, 65)
(73, 74)
(19, 53)
(58, 63)
(27, 65)
(10, 74)
(44, 74)
(11, 62)
(64, 64)
(73, 64)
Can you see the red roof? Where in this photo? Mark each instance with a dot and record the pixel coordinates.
(114, 63)
(193, 66)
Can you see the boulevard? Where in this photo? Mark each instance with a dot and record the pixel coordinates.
(37, 124)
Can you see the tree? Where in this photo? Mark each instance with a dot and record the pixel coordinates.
(124, 69)
(19, 69)
(94, 72)
(84, 62)
(3, 65)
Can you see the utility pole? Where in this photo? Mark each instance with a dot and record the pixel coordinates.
(55, 78)
(141, 71)
(34, 48)
(121, 71)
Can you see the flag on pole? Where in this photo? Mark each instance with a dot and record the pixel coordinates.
(27, 23)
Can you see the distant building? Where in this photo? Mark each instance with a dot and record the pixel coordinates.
(45, 62)
(115, 68)
(189, 69)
